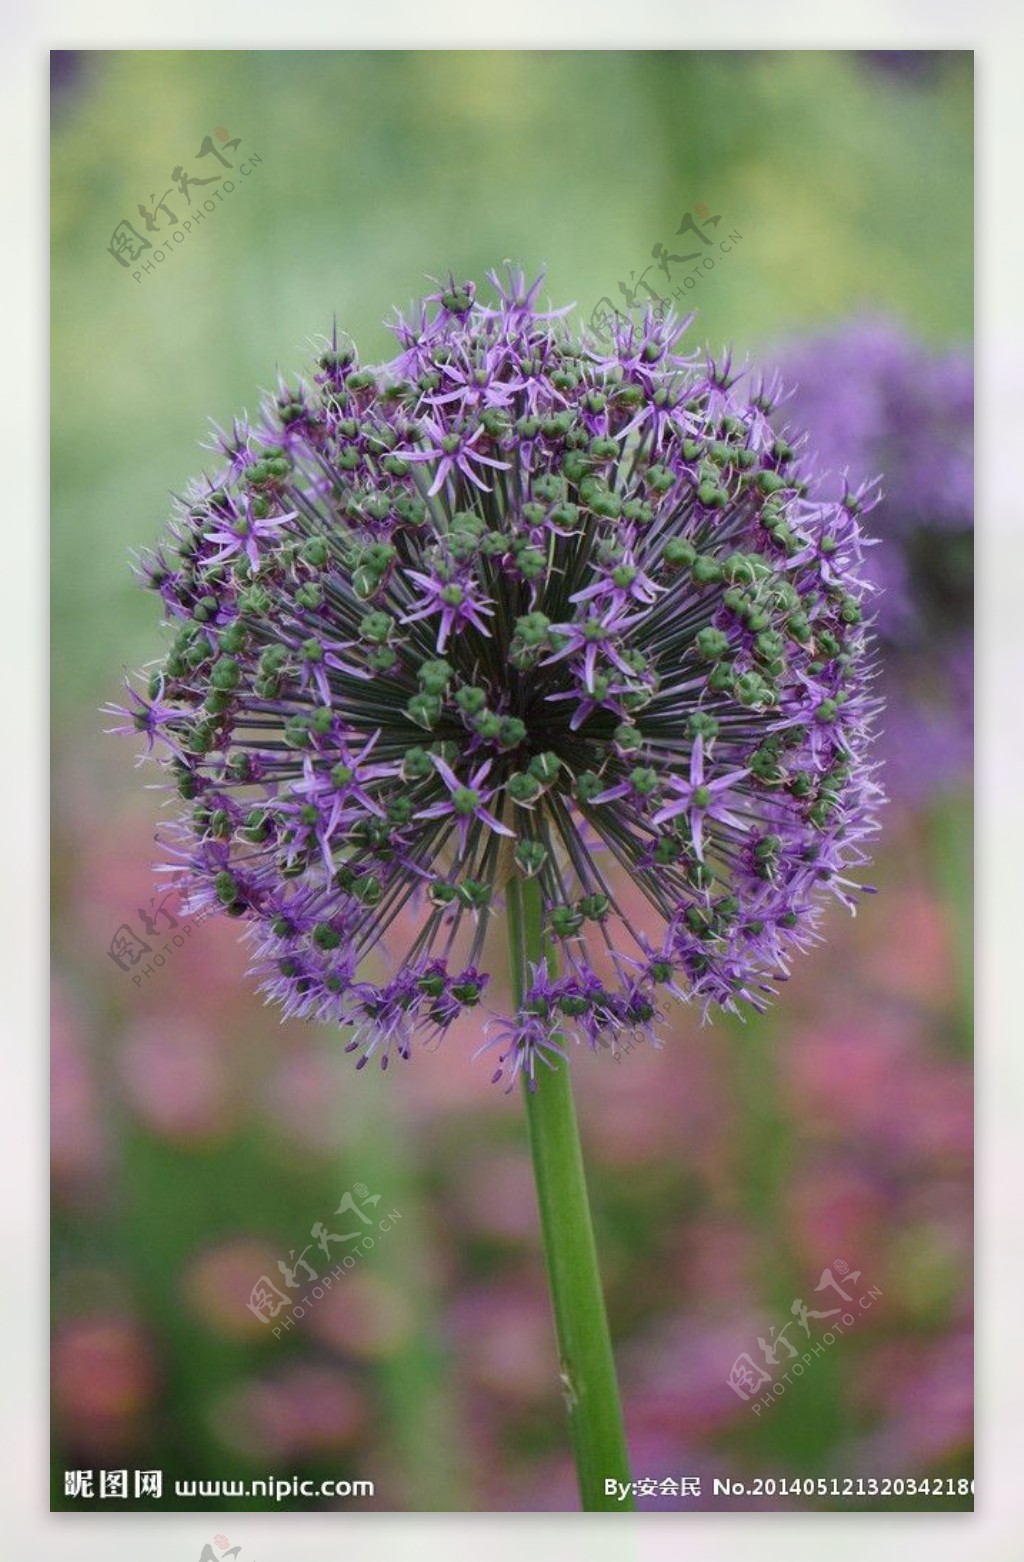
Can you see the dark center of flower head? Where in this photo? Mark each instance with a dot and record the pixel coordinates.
(510, 604)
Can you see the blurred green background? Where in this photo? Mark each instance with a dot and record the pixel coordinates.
(195, 1139)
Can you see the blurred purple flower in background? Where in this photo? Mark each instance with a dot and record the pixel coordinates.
(874, 401)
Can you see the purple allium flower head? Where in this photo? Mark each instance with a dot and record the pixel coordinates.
(511, 605)
(870, 399)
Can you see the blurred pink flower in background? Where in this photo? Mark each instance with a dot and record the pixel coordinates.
(504, 1345)
(928, 1409)
(180, 1079)
(717, 1262)
(910, 954)
(217, 1285)
(679, 1372)
(836, 1209)
(295, 1413)
(362, 1315)
(299, 1097)
(79, 1137)
(876, 1080)
(103, 1377)
(498, 1200)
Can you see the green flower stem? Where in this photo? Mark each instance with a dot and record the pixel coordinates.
(581, 1324)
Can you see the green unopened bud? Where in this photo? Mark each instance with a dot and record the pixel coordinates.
(548, 488)
(512, 732)
(706, 570)
(751, 689)
(588, 785)
(471, 700)
(254, 601)
(376, 627)
(368, 890)
(468, 522)
(668, 849)
(545, 767)
(770, 645)
(711, 644)
(605, 504)
(637, 511)
(435, 676)
(643, 780)
(458, 300)
(557, 426)
(711, 496)
(296, 732)
(465, 801)
(425, 710)
(679, 554)
(565, 516)
(400, 810)
(316, 552)
(411, 509)
(530, 857)
(523, 788)
(441, 893)
(531, 563)
(701, 725)
(532, 628)
(226, 888)
(660, 478)
(467, 993)
(764, 763)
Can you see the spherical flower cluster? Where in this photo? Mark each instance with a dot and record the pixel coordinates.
(511, 605)
(872, 399)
